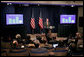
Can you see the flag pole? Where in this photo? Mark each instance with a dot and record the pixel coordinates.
(40, 17)
(32, 17)
(32, 31)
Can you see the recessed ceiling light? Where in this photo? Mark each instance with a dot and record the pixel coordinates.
(38, 5)
(72, 5)
(26, 4)
(9, 3)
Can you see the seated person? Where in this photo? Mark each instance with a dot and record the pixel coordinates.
(54, 38)
(43, 40)
(78, 36)
(36, 43)
(28, 40)
(24, 41)
(14, 44)
(72, 47)
(49, 36)
(38, 38)
(18, 38)
(60, 44)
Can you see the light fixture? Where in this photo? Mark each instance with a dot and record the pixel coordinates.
(72, 5)
(9, 3)
(38, 5)
(26, 4)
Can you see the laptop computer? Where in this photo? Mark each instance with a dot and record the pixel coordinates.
(55, 45)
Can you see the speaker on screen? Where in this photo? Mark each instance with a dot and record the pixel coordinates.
(13, 19)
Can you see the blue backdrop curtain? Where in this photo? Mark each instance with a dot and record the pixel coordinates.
(48, 11)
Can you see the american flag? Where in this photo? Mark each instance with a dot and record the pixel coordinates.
(40, 23)
(33, 23)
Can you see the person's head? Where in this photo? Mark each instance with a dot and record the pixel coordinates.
(15, 42)
(78, 35)
(36, 41)
(42, 38)
(73, 45)
(18, 36)
(28, 37)
(37, 45)
(38, 37)
(47, 20)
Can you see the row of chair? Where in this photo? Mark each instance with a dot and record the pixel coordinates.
(44, 52)
(28, 52)
(34, 52)
(15, 52)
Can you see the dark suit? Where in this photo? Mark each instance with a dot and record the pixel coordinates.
(45, 25)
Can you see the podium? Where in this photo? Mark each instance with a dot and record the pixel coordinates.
(48, 28)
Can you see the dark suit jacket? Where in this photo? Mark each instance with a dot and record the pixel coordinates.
(45, 25)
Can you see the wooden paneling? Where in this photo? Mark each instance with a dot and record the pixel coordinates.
(49, 2)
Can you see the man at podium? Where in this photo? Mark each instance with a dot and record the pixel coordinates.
(47, 24)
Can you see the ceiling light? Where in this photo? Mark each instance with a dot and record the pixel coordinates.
(38, 5)
(72, 5)
(9, 3)
(26, 4)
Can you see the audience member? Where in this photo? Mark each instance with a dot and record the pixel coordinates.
(43, 40)
(38, 38)
(61, 44)
(28, 40)
(72, 47)
(14, 44)
(49, 36)
(18, 38)
(78, 36)
(36, 43)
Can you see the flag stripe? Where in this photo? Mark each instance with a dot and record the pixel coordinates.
(40, 23)
(33, 23)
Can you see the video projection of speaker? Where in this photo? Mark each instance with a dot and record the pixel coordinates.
(14, 19)
(67, 19)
